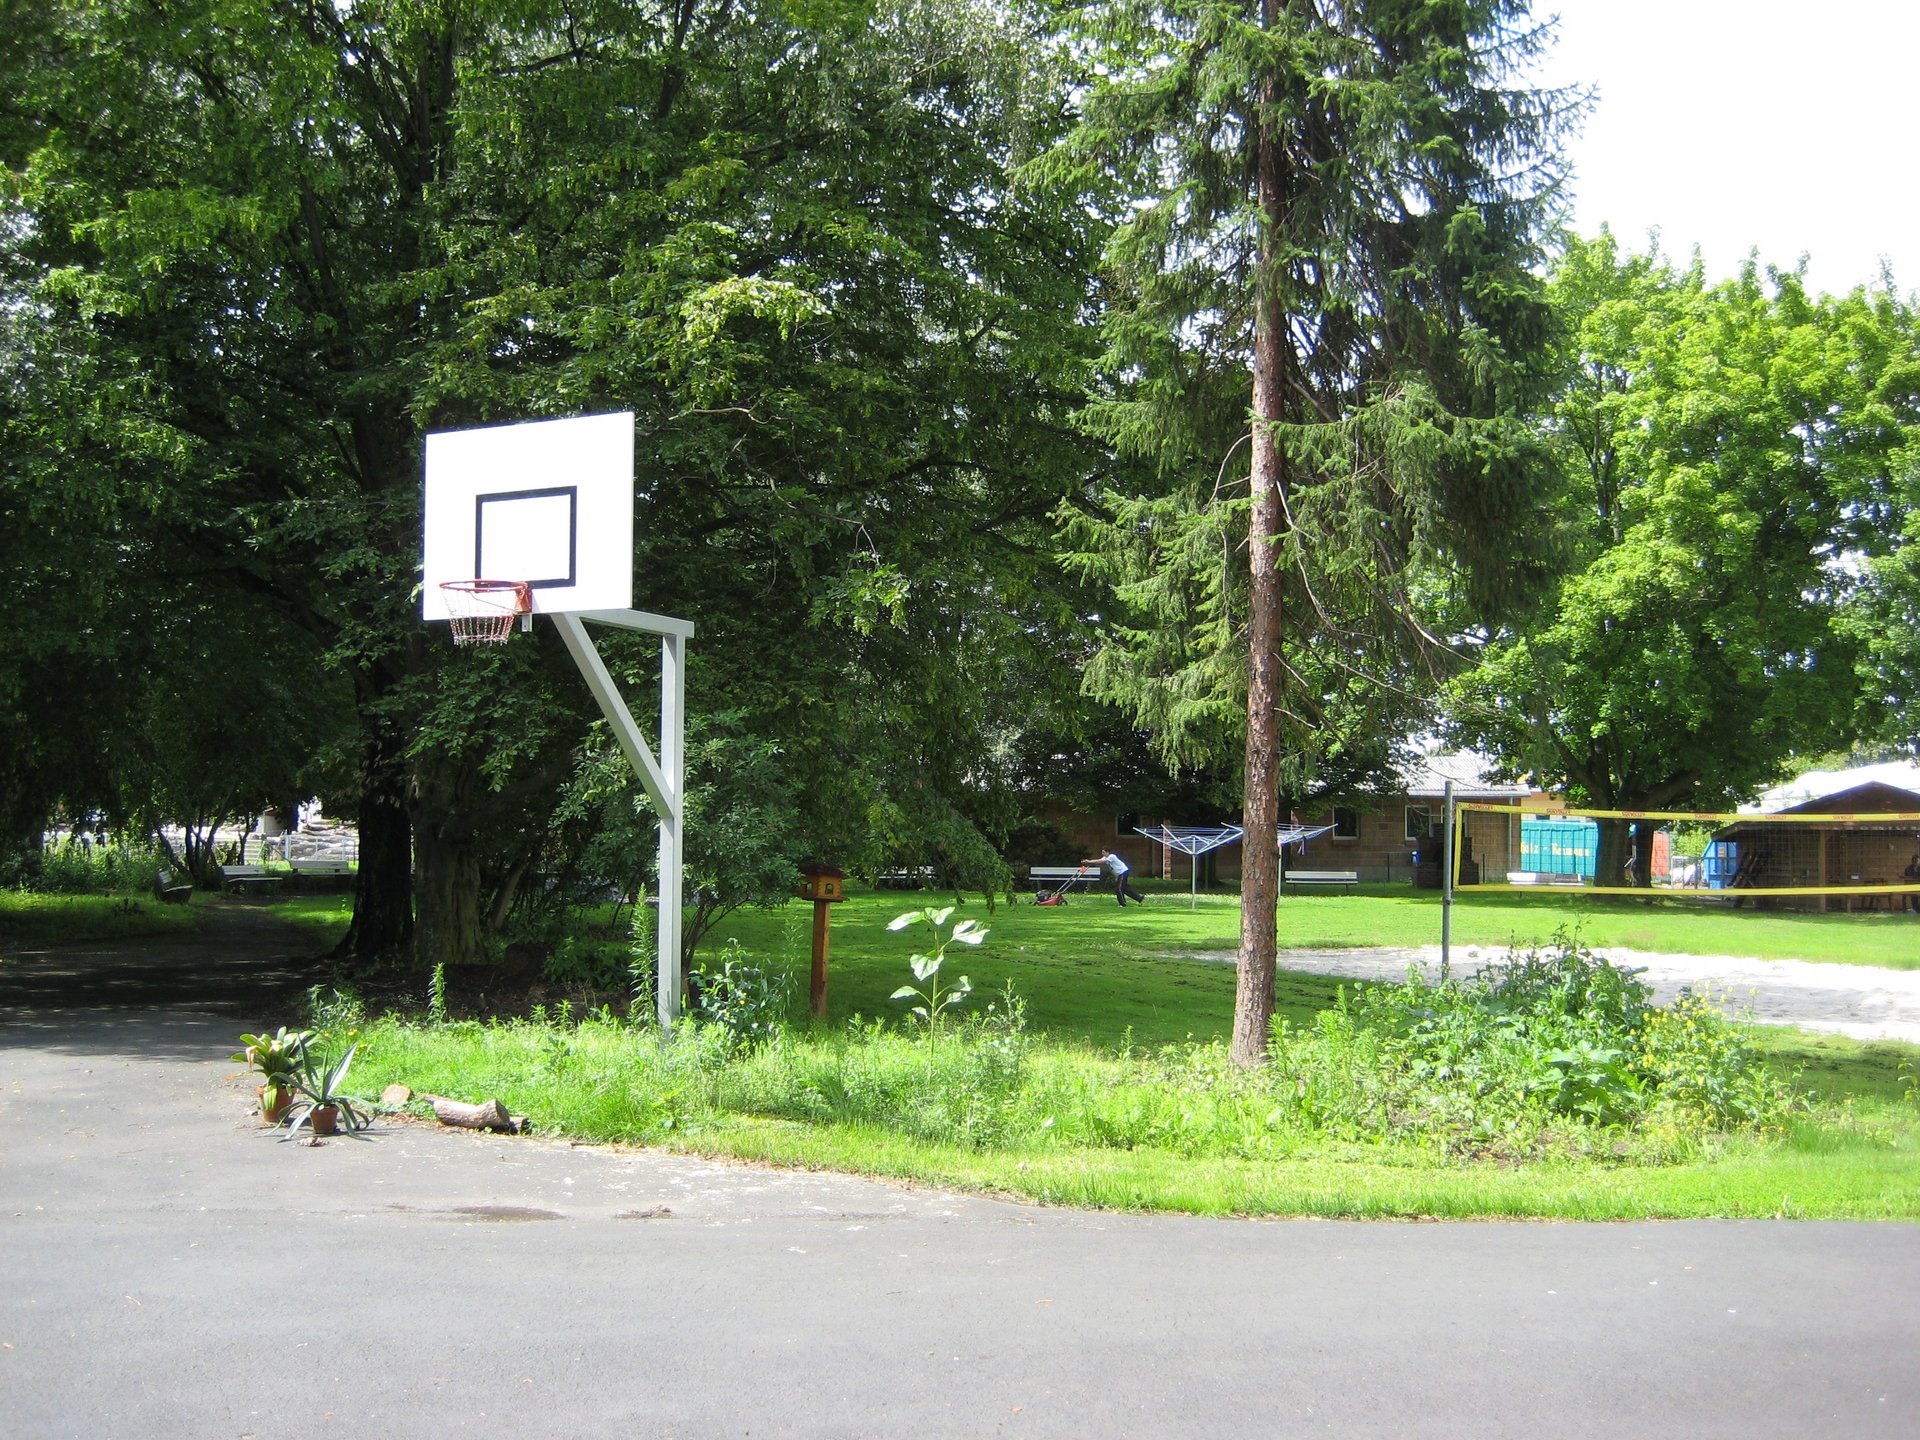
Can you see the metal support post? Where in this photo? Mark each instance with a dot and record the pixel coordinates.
(665, 780)
(1446, 881)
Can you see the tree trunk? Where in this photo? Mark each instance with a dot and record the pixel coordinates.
(1640, 847)
(446, 865)
(382, 925)
(1610, 852)
(1260, 855)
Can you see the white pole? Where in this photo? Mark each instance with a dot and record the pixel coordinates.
(664, 781)
(673, 696)
(1446, 881)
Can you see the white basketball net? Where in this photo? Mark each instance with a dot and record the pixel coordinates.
(483, 611)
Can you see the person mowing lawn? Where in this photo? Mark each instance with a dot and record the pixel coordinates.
(1118, 868)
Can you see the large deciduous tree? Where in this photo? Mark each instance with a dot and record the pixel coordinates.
(1730, 452)
(1341, 201)
(282, 240)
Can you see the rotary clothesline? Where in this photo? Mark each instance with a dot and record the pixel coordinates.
(1193, 841)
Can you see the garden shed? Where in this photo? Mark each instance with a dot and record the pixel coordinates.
(1832, 844)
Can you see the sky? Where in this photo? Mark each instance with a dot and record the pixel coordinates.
(1750, 124)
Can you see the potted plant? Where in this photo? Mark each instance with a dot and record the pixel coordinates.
(320, 1103)
(278, 1058)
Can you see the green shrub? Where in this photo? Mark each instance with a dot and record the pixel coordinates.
(746, 1001)
(86, 867)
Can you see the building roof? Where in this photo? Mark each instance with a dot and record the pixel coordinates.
(1817, 785)
(1426, 777)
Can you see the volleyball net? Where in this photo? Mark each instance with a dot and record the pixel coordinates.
(1699, 854)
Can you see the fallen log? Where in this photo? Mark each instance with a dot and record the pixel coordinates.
(491, 1115)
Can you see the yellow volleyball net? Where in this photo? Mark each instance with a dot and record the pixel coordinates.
(1870, 860)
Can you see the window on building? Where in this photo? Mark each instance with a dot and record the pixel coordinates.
(1346, 823)
(1419, 822)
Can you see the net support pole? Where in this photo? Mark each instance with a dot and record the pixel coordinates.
(664, 780)
(1446, 881)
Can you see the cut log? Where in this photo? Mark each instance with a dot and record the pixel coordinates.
(491, 1115)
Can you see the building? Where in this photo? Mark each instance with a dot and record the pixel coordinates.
(1822, 850)
(1376, 837)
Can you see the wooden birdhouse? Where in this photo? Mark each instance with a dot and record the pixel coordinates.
(822, 882)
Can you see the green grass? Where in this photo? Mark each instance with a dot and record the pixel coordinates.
(30, 918)
(1102, 984)
(1098, 973)
(1857, 1160)
(324, 917)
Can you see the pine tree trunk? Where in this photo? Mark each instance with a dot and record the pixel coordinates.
(1260, 861)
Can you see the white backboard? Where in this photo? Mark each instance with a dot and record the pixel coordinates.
(549, 502)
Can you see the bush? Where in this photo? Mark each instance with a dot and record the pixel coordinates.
(1529, 1054)
(80, 866)
(745, 1001)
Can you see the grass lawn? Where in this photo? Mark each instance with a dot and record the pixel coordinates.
(1105, 988)
(1095, 971)
(30, 918)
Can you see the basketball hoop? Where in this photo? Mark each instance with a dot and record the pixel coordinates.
(483, 611)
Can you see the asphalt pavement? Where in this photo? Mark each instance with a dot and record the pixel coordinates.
(169, 1268)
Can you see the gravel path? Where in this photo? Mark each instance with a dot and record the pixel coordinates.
(1864, 1001)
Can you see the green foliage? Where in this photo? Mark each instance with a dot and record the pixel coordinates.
(1724, 447)
(1501, 1063)
(745, 1000)
(250, 253)
(437, 995)
(73, 866)
(643, 964)
(1391, 259)
(934, 997)
(278, 1057)
(591, 964)
(319, 1083)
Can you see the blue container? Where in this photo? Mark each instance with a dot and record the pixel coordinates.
(1720, 863)
(1558, 846)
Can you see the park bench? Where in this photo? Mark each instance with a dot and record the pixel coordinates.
(913, 877)
(170, 890)
(1058, 877)
(250, 878)
(336, 870)
(1543, 877)
(321, 865)
(1346, 878)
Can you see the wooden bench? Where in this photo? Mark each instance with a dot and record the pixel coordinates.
(1346, 878)
(170, 890)
(238, 878)
(1055, 877)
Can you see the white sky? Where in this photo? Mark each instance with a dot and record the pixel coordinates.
(1743, 124)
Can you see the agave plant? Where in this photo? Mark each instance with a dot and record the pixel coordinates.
(317, 1090)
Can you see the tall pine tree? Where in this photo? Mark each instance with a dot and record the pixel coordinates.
(1344, 199)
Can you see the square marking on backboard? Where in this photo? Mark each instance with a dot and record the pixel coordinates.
(528, 533)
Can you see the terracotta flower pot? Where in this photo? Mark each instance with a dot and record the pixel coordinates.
(274, 1100)
(325, 1119)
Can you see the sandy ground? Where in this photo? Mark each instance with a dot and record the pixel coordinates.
(1864, 1001)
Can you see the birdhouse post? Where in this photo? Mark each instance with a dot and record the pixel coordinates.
(824, 885)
